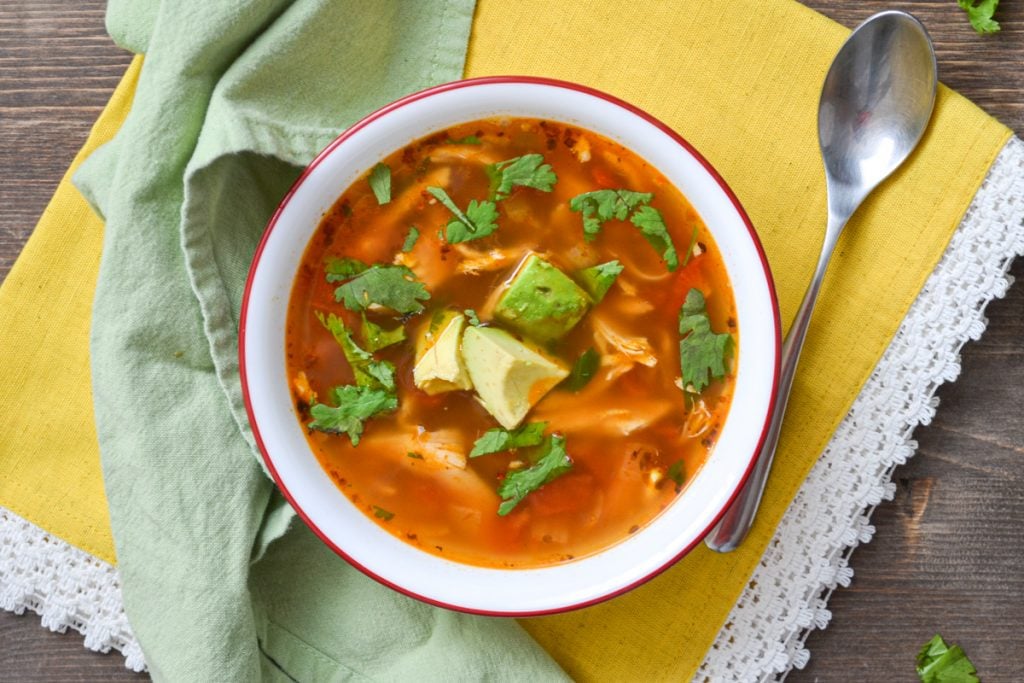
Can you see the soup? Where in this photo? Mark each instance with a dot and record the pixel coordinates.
(512, 343)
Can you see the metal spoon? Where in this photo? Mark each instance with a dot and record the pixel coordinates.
(875, 104)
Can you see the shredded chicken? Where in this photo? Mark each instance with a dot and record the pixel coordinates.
(474, 261)
(619, 353)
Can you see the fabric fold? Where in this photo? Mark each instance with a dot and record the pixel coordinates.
(230, 101)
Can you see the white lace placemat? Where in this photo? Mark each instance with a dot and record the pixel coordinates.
(763, 638)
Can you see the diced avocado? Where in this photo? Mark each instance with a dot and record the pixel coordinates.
(439, 366)
(509, 376)
(541, 302)
(598, 279)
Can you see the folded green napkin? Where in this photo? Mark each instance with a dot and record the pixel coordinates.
(233, 98)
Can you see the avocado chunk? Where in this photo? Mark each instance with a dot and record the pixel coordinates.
(439, 366)
(508, 376)
(541, 302)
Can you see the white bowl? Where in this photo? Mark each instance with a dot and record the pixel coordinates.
(347, 530)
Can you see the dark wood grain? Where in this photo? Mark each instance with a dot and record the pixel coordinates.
(948, 555)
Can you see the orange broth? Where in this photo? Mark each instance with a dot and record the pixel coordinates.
(623, 431)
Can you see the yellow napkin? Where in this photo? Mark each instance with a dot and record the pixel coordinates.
(743, 88)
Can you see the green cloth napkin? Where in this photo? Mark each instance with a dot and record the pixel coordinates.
(234, 97)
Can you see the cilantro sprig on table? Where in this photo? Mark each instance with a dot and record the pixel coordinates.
(702, 353)
(552, 462)
(499, 439)
(939, 663)
(980, 13)
(601, 206)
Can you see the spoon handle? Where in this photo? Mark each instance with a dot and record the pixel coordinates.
(732, 528)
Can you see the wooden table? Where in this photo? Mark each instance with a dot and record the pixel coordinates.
(949, 552)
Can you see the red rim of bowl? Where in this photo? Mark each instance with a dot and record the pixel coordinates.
(456, 85)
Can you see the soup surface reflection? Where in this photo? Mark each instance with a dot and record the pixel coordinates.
(512, 343)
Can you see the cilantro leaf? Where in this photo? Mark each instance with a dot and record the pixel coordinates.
(341, 269)
(381, 513)
(597, 280)
(377, 338)
(652, 227)
(676, 474)
(702, 353)
(394, 287)
(528, 170)
(355, 404)
(410, 239)
(479, 220)
(938, 663)
(980, 13)
(604, 205)
(468, 140)
(583, 370)
(689, 249)
(369, 372)
(497, 440)
(380, 183)
(471, 317)
(552, 463)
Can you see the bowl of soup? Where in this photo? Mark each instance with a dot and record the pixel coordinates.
(509, 346)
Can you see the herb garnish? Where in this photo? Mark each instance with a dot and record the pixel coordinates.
(341, 269)
(354, 405)
(597, 280)
(528, 170)
(676, 474)
(393, 287)
(938, 663)
(498, 439)
(381, 513)
(472, 318)
(583, 370)
(980, 13)
(380, 183)
(600, 206)
(479, 220)
(468, 140)
(376, 337)
(410, 239)
(552, 463)
(702, 353)
(689, 250)
(368, 372)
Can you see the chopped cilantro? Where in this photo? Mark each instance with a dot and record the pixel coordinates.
(938, 663)
(702, 353)
(381, 513)
(369, 372)
(341, 269)
(377, 338)
(479, 220)
(393, 287)
(528, 170)
(468, 140)
(676, 474)
(354, 405)
(652, 227)
(498, 439)
(472, 317)
(552, 463)
(604, 205)
(414, 456)
(689, 249)
(410, 239)
(598, 279)
(583, 370)
(380, 183)
(980, 13)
